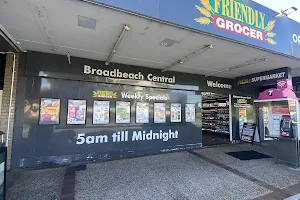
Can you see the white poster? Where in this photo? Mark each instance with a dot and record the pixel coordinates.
(159, 113)
(101, 112)
(276, 123)
(122, 112)
(175, 112)
(142, 112)
(76, 111)
(190, 112)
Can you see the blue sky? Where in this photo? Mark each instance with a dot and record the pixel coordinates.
(278, 5)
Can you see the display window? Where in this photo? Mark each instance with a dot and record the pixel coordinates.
(216, 115)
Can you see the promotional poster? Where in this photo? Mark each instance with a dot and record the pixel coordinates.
(159, 112)
(142, 112)
(101, 112)
(49, 111)
(190, 112)
(122, 112)
(175, 112)
(76, 111)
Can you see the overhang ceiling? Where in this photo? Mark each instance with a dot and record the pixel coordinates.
(7, 43)
(52, 27)
(4, 45)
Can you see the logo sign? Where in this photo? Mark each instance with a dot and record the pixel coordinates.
(285, 83)
(237, 17)
(281, 84)
(104, 94)
(270, 92)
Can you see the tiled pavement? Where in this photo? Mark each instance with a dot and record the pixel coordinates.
(201, 174)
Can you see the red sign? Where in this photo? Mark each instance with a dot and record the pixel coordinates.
(238, 28)
(283, 110)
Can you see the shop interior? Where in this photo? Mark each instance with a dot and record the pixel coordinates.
(215, 119)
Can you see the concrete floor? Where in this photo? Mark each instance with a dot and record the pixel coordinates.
(173, 176)
(263, 169)
(35, 184)
(168, 176)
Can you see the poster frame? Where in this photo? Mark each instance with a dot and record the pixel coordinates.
(148, 113)
(253, 134)
(59, 110)
(180, 113)
(154, 113)
(185, 112)
(108, 112)
(85, 111)
(129, 112)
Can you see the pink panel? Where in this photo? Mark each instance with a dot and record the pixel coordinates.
(284, 83)
(276, 94)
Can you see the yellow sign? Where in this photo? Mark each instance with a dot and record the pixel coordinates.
(242, 101)
(104, 94)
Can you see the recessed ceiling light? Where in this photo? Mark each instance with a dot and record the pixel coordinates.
(87, 22)
(167, 42)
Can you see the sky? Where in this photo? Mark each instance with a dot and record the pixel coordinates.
(278, 5)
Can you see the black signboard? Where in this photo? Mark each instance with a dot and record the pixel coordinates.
(248, 132)
(264, 78)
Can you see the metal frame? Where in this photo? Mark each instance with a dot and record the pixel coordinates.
(10, 40)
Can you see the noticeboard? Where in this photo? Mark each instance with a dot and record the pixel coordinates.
(248, 131)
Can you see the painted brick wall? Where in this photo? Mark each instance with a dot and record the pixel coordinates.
(5, 101)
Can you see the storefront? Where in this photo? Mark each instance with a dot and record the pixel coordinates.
(86, 111)
(273, 97)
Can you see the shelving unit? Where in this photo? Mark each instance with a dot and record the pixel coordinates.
(215, 115)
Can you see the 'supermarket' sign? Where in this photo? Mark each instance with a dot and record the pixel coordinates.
(236, 17)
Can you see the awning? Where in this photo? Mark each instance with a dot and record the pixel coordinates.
(274, 94)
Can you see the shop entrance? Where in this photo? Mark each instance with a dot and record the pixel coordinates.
(215, 118)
